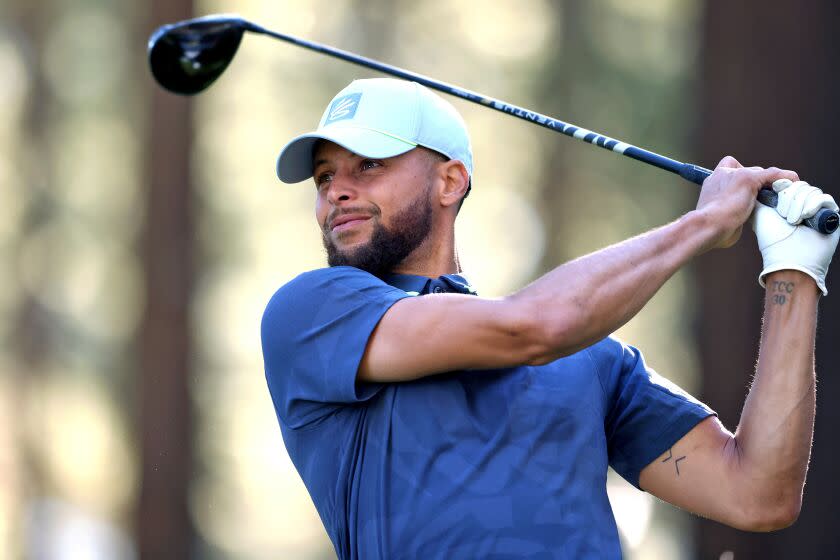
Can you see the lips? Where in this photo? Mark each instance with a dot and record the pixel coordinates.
(347, 221)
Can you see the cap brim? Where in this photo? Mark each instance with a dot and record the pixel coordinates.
(294, 164)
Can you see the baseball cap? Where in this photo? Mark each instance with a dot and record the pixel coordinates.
(381, 118)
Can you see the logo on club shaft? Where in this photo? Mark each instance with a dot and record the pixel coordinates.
(343, 108)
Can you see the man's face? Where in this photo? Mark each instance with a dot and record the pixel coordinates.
(373, 213)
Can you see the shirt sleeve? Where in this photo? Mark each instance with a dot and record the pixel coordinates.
(314, 333)
(646, 414)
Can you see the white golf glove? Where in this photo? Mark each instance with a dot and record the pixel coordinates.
(784, 244)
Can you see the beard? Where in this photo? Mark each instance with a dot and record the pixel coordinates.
(388, 247)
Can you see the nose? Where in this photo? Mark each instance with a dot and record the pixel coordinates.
(341, 189)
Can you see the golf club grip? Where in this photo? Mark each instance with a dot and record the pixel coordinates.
(824, 221)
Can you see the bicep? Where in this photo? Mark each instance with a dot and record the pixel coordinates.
(437, 333)
(699, 473)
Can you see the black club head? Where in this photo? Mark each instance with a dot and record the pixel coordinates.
(186, 57)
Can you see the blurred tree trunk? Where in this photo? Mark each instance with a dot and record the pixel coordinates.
(565, 67)
(164, 529)
(768, 91)
(25, 481)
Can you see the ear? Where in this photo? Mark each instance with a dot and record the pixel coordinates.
(456, 181)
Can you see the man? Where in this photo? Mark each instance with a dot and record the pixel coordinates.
(427, 422)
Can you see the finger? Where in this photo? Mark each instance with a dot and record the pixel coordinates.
(729, 162)
(815, 203)
(794, 198)
(801, 193)
(786, 196)
(781, 184)
(772, 174)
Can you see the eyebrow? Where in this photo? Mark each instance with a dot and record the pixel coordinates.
(318, 162)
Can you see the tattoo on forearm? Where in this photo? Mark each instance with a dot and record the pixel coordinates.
(676, 460)
(781, 291)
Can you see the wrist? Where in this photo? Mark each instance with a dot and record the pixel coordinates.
(702, 223)
(783, 281)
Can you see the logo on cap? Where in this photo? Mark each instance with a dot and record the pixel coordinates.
(344, 107)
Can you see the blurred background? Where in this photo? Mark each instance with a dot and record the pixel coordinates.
(143, 233)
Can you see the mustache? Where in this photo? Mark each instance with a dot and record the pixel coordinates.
(373, 212)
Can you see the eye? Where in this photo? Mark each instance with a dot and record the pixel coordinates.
(322, 179)
(369, 164)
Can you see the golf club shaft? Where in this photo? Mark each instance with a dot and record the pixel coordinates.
(691, 172)
(825, 221)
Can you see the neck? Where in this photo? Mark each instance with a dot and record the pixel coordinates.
(435, 257)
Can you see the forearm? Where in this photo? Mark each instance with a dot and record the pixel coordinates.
(773, 441)
(586, 299)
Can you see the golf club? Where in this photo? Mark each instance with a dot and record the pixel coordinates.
(188, 56)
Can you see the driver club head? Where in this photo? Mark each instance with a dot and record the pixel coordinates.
(187, 56)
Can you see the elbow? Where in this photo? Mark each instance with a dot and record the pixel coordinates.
(761, 501)
(771, 517)
(553, 342)
(774, 520)
(787, 517)
(540, 358)
(782, 516)
(541, 337)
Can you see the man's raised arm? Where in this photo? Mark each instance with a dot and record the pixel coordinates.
(569, 308)
(754, 479)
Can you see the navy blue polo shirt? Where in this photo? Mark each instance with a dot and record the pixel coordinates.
(504, 463)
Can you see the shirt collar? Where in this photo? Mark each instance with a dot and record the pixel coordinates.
(422, 285)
